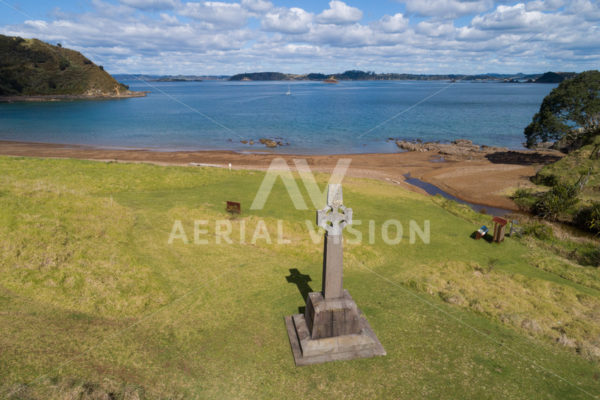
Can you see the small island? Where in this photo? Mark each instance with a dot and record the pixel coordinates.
(32, 70)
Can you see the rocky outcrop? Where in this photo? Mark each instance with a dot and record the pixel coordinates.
(268, 142)
(271, 143)
(459, 147)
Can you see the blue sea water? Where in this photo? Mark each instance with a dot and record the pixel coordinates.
(317, 118)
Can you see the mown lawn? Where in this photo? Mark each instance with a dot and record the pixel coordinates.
(95, 302)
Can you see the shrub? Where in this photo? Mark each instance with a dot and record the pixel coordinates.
(37, 56)
(588, 218)
(64, 64)
(539, 230)
(524, 198)
(546, 180)
(561, 198)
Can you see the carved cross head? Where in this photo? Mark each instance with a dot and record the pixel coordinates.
(334, 217)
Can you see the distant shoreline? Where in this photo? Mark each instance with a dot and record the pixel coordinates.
(357, 75)
(68, 97)
(486, 180)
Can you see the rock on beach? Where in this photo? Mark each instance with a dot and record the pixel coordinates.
(459, 147)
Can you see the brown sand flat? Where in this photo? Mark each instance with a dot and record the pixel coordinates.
(481, 179)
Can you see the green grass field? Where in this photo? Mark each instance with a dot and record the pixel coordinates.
(94, 302)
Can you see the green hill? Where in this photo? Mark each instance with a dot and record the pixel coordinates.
(30, 67)
(554, 77)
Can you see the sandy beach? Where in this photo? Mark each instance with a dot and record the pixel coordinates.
(482, 179)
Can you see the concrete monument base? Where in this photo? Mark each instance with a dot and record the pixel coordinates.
(331, 330)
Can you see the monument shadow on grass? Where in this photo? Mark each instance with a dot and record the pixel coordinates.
(301, 281)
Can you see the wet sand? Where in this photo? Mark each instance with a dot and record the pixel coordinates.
(482, 179)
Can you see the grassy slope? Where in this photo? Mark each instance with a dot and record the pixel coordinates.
(33, 67)
(94, 300)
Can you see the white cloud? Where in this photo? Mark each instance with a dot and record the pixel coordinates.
(214, 12)
(103, 8)
(150, 4)
(354, 35)
(287, 20)
(169, 19)
(393, 24)
(259, 6)
(435, 29)
(586, 8)
(517, 17)
(339, 13)
(470, 34)
(143, 37)
(544, 5)
(296, 50)
(217, 37)
(447, 9)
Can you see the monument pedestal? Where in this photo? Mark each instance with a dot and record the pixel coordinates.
(331, 330)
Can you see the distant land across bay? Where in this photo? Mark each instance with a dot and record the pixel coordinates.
(357, 75)
(170, 78)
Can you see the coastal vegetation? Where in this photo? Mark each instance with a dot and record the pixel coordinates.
(569, 115)
(95, 303)
(569, 120)
(30, 67)
(567, 190)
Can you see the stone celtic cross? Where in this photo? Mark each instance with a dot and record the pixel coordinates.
(331, 327)
(333, 218)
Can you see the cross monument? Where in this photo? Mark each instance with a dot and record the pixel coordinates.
(333, 218)
(332, 327)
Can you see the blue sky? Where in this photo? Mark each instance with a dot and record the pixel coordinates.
(226, 37)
